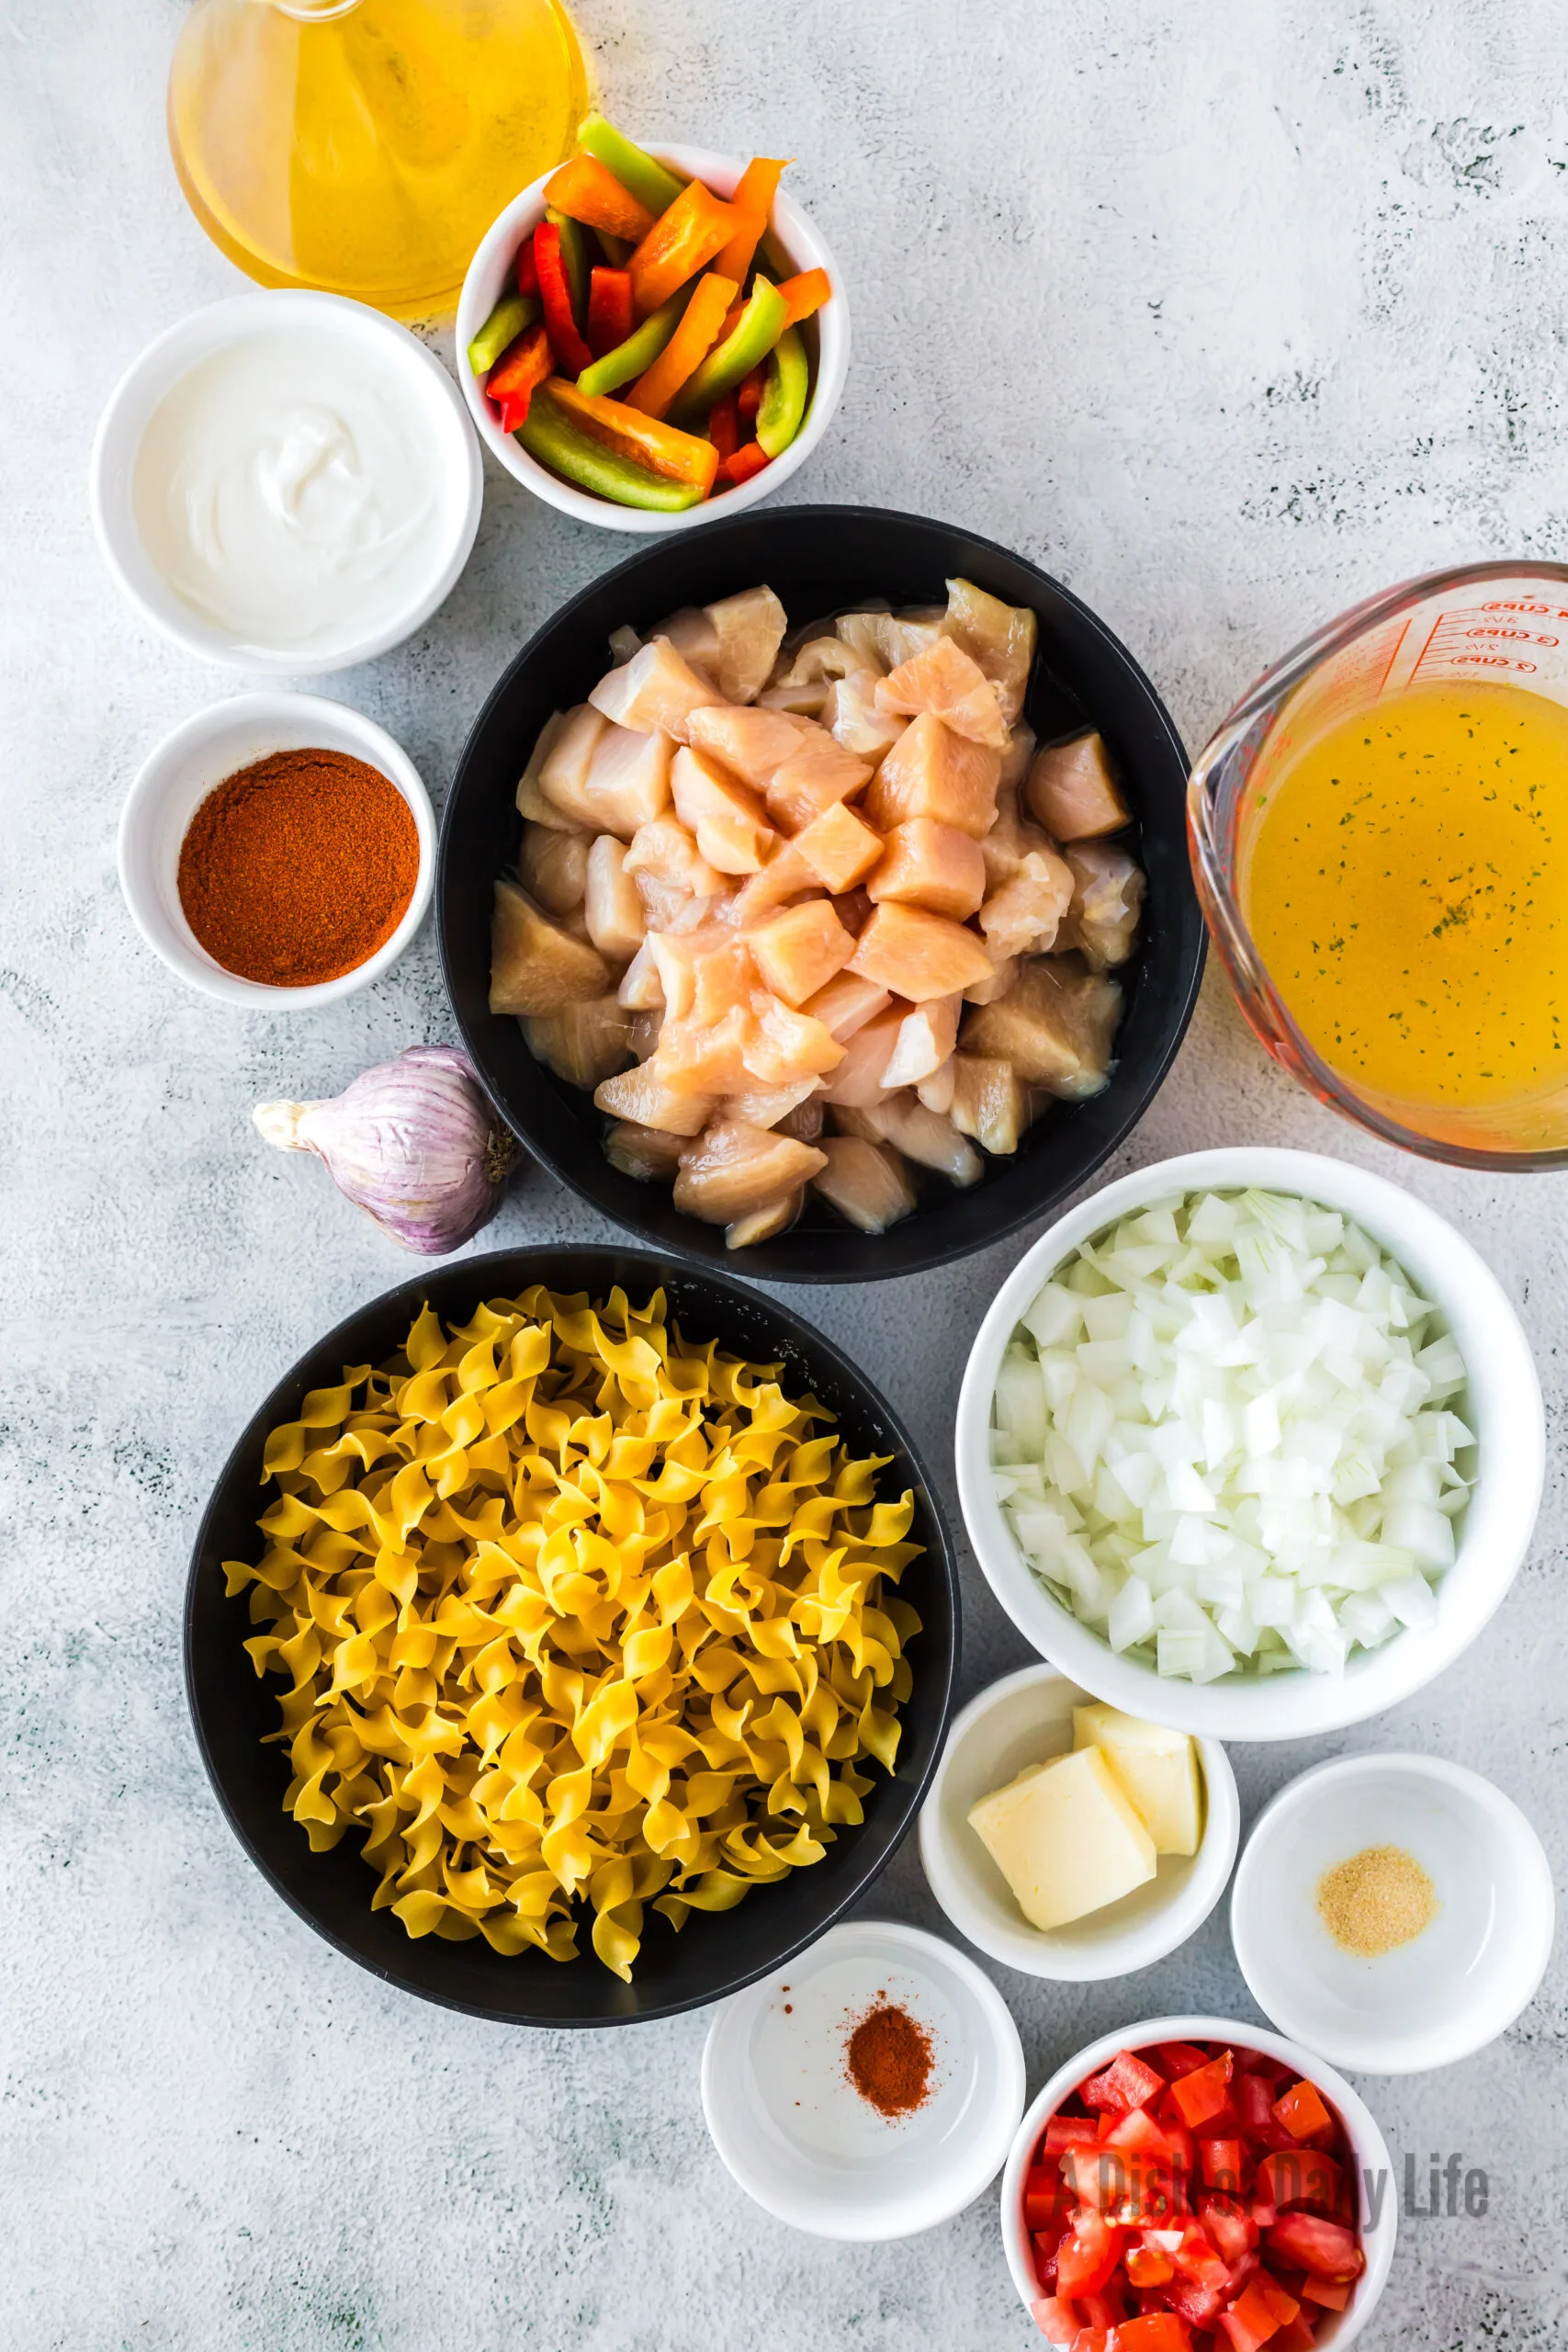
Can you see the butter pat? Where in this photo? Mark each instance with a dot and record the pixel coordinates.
(1064, 1837)
(1157, 1769)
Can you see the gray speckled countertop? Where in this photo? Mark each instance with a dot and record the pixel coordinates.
(1227, 315)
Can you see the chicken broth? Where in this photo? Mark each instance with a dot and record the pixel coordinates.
(1405, 878)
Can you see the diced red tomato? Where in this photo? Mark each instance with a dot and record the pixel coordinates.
(1086, 2256)
(1153, 2332)
(1278, 2300)
(1331, 2293)
(1105, 2309)
(1301, 2176)
(1254, 2103)
(1098, 2176)
(1045, 2197)
(1146, 2265)
(1205, 2091)
(1303, 2114)
(1241, 2272)
(1196, 2259)
(1176, 2058)
(1126, 2082)
(1058, 2321)
(1223, 2164)
(1201, 2305)
(1296, 2335)
(1065, 2131)
(1152, 2195)
(1094, 2339)
(1231, 2228)
(1251, 2321)
(1139, 2134)
(1307, 2242)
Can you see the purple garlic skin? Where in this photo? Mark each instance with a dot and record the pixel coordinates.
(414, 1143)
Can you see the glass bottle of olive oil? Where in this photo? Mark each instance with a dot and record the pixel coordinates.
(365, 146)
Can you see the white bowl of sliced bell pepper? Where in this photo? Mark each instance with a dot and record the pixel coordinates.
(648, 336)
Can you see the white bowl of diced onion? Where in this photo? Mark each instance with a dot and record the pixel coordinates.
(1327, 1493)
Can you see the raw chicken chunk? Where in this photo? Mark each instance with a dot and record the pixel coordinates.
(901, 636)
(931, 772)
(817, 776)
(865, 1182)
(731, 831)
(581, 1042)
(762, 1225)
(562, 773)
(1022, 917)
(858, 721)
(554, 867)
(1000, 638)
(669, 870)
(535, 966)
(694, 638)
(917, 954)
(988, 1102)
(804, 1123)
(628, 780)
(785, 1044)
(1071, 790)
(923, 1136)
(866, 1054)
(801, 950)
(840, 847)
(656, 689)
(645, 1098)
(926, 1039)
(647, 1154)
(1055, 1025)
(846, 1004)
(532, 803)
(749, 628)
(862, 632)
(611, 906)
(733, 1169)
(817, 662)
(751, 742)
(786, 875)
(1107, 896)
(929, 865)
(807, 700)
(1016, 758)
(947, 682)
(1002, 974)
(769, 1106)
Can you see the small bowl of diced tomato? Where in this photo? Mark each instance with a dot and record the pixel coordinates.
(649, 335)
(1192, 2186)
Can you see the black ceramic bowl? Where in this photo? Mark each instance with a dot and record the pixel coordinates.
(714, 1953)
(820, 560)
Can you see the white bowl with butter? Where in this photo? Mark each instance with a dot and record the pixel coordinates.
(1019, 1722)
(286, 482)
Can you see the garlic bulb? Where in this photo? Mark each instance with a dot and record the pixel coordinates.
(414, 1143)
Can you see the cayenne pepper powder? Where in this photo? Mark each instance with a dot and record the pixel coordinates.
(889, 2059)
(298, 869)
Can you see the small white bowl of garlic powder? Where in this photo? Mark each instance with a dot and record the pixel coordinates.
(286, 482)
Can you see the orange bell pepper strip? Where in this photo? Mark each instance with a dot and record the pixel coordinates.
(683, 239)
(590, 193)
(805, 294)
(742, 464)
(571, 352)
(609, 311)
(521, 369)
(661, 448)
(687, 347)
(752, 202)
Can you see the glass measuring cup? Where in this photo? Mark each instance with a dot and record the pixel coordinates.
(1494, 623)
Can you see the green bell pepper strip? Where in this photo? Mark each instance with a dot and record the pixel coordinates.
(782, 412)
(651, 183)
(618, 251)
(504, 324)
(758, 329)
(555, 442)
(578, 256)
(640, 350)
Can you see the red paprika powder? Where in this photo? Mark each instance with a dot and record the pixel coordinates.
(299, 867)
(889, 2059)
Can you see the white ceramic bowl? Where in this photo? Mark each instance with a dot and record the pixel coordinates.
(1372, 2163)
(455, 470)
(798, 2136)
(174, 782)
(1020, 1721)
(1462, 1981)
(490, 276)
(1502, 1404)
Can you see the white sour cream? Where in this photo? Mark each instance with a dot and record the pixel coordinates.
(286, 489)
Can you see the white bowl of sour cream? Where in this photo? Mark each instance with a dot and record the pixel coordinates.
(286, 482)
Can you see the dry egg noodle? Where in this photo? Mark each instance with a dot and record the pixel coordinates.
(574, 1609)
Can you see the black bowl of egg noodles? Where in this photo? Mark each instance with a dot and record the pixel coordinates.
(820, 562)
(714, 1953)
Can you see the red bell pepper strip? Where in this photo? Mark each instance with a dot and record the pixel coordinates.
(748, 400)
(571, 352)
(746, 462)
(527, 270)
(524, 366)
(723, 432)
(609, 310)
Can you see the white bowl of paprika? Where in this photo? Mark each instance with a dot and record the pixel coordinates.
(278, 849)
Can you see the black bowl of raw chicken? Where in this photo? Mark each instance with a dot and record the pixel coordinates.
(849, 926)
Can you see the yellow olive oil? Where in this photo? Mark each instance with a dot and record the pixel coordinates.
(1405, 878)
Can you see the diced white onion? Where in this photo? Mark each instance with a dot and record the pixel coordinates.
(1228, 1434)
